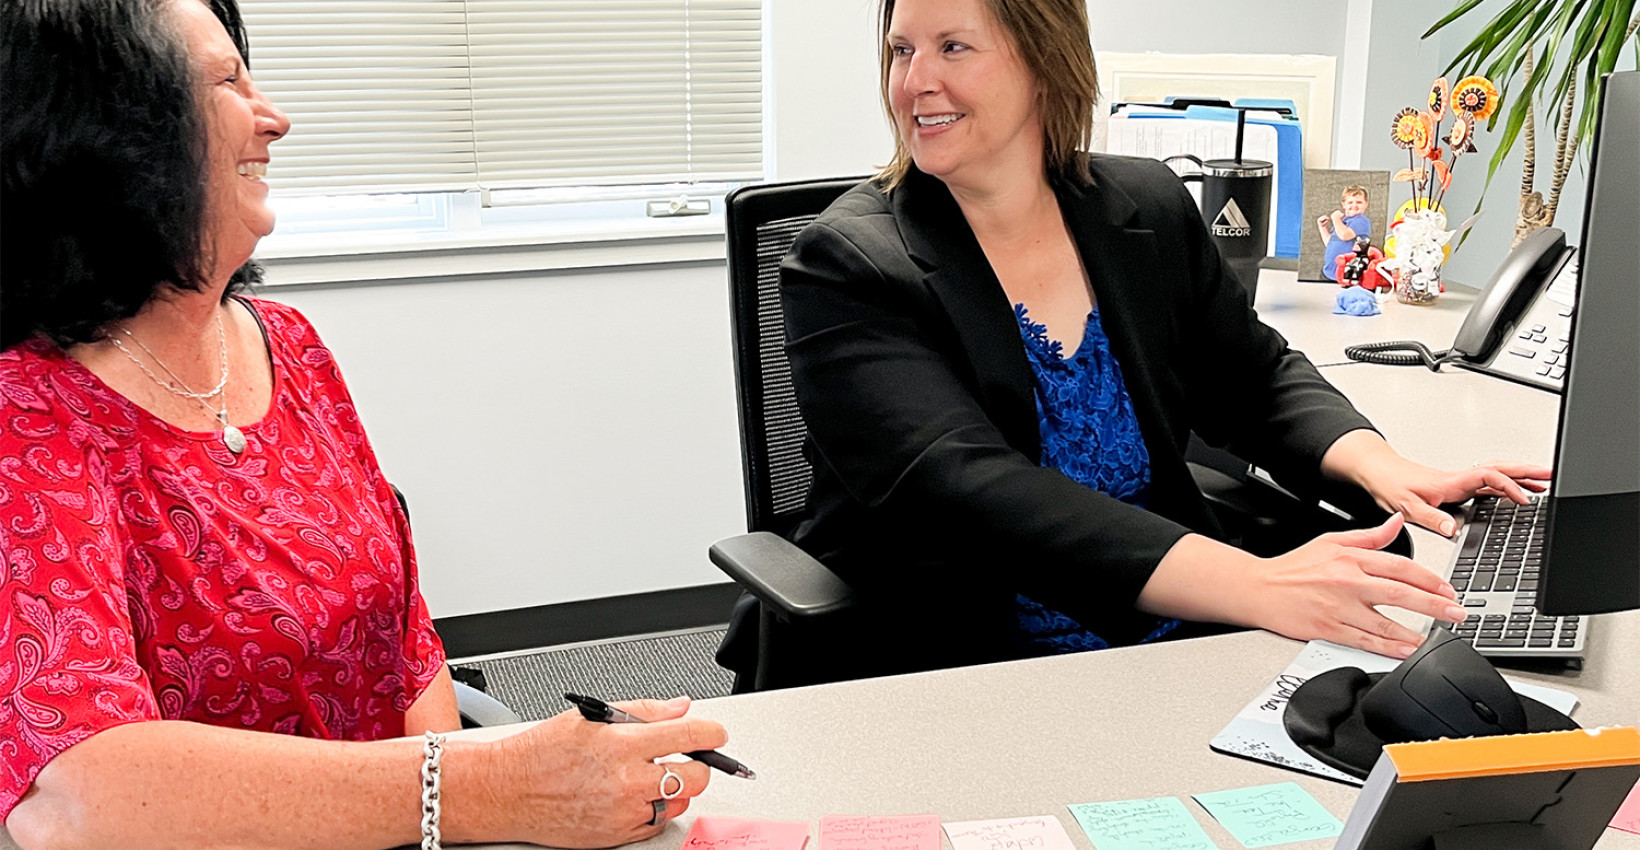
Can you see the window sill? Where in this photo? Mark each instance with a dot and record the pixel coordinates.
(351, 258)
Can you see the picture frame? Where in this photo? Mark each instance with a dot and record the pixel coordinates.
(1323, 191)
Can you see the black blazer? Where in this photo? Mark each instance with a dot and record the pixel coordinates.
(929, 497)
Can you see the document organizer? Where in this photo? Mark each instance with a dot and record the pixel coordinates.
(1547, 791)
(1207, 130)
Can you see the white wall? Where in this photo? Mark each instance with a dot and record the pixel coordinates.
(572, 435)
(565, 436)
(559, 437)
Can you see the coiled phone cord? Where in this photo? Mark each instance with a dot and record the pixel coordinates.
(1380, 352)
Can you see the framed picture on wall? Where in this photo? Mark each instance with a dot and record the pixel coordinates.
(1340, 206)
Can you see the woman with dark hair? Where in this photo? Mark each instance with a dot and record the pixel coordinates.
(209, 617)
(1001, 345)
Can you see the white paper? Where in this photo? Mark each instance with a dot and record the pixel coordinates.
(1043, 832)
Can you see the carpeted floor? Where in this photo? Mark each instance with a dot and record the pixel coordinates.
(659, 666)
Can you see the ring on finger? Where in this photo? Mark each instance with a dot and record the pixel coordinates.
(660, 813)
(676, 789)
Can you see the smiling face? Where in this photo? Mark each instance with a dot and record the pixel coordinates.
(240, 124)
(1354, 204)
(964, 105)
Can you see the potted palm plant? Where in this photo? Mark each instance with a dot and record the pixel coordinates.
(1544, 51)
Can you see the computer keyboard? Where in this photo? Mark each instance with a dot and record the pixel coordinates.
(1496, 574)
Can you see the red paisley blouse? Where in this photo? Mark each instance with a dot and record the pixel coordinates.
(150, 573)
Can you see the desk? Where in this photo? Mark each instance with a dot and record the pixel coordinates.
(1029, 737)
(1303, 312)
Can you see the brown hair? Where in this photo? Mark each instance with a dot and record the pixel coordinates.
(1353, 190)
(1051, 39)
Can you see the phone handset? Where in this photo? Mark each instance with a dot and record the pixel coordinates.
(1497, 310)
(1524, 273)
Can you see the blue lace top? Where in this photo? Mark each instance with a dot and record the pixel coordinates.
(1091, 434)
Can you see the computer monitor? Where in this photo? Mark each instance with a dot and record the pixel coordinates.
(1591, 558)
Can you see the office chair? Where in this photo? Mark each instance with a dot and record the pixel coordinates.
(797, 593)
(475, 707)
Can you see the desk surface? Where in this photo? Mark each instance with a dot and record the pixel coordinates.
(1303, 312)
(1030, 737)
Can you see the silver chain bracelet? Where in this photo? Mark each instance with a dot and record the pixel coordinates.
(432, 751)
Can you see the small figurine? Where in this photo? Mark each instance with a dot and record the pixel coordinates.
(1360, 267)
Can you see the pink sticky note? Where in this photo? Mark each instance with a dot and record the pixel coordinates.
(905, 832)
(1628, 814)
(709, 833)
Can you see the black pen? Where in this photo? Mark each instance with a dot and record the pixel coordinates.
(598, 711)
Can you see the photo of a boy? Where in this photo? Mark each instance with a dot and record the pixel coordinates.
(1342, 227)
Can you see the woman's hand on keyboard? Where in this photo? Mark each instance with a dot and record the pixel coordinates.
(1328, 589)
(1419, 491)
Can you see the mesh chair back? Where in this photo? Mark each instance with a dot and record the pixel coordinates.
(763, 221)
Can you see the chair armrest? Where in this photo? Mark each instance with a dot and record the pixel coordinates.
(1252, 498)
(480, 709)
(781, 575)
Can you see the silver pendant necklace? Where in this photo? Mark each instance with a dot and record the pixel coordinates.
(232, 437)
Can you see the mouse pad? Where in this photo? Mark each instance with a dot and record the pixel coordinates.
(1324, 718)
(1257, 732)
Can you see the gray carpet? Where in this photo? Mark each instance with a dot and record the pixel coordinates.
(646, 667)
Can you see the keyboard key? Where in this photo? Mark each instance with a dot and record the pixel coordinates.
(1543, 641)
(1504, 583)
(1568, 642)
(1474, 603)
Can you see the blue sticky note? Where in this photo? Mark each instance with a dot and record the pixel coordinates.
(1270, 814)
(1159, 824)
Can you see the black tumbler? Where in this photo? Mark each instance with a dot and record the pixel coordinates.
(1236, 209)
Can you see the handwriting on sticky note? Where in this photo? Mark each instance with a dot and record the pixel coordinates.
(1159, 824)
(710, 833)
(1030, 833)
(908, 832)
(1270, 814)
(1628, 815)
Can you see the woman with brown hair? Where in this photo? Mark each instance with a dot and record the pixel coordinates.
(1001, 345)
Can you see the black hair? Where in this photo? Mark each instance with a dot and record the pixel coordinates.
(102, 164)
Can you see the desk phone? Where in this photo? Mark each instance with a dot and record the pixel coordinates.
(1520, 326)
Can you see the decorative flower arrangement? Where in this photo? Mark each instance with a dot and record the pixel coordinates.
(1420, 233)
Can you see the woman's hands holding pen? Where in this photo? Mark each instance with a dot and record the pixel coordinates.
(566, 782)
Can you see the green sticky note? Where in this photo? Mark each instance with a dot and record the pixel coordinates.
(1270, 814)
(1159, 824)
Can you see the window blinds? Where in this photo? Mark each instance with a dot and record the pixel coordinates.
(442, 95)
